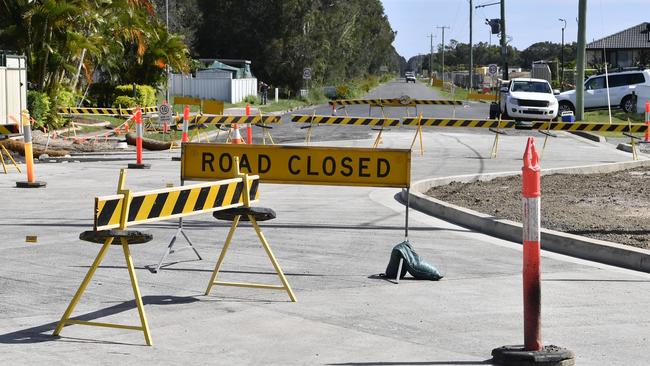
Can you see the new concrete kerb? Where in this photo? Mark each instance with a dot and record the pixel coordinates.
(554, 241)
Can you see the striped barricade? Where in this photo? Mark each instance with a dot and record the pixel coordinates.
(459, 123)
(9, 129)
(73, 111)
(394, 102)
(227, 120)
(115, 214)
(315, 120)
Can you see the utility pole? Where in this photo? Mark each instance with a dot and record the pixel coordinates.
(580, 60)
(504, 48)
(442, 66)
(562, 57)
(471, 46)
(167, 66)
(431, 55)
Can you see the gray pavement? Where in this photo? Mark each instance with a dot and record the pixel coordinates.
(331, 242)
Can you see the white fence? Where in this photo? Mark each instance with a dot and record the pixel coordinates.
(226, 89)
(13, 89)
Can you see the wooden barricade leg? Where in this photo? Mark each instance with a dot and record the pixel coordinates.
(136, 291)
(275, 263)
(222, 256)
(75, 299)
(378, 139)
(418, 132)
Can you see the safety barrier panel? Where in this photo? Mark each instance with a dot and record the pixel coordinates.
(356, 121)
(226, 120)
(104, 111)
(127, 208)
(446, 122)
(395, 102)
(10, 129)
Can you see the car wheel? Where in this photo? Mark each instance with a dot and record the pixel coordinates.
(627, 104)
(565, 107)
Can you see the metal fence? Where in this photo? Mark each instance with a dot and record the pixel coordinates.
(226, 89)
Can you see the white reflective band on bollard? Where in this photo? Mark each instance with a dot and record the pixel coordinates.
(532, 215)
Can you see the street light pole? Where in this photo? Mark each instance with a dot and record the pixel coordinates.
(562, 57)
(471, 46)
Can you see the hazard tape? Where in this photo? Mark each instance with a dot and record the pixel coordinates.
(394, 102)
(357, 121)
(173, 202)
(544, 126)
(221, 120)
(104, 111)
(11, 129)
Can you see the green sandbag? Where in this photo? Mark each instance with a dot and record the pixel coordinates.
(413, 264)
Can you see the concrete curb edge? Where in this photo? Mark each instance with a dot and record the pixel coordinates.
(568, 244)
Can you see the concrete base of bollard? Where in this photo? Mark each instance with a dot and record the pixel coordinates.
(548, 356)
(138, 166)
(36, 184)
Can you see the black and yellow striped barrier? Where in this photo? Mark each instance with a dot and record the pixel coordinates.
(103, 111)
(542, 126)
(169, 203)
(468, 123)
(226, 120)
(129, 208)
(11, 129)
(355, 121)
(394, 102)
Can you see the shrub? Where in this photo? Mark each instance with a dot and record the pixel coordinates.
(124, 101)
(250, 99)
(64, 98)
(343, 92)
(145, 95)
(38, 104)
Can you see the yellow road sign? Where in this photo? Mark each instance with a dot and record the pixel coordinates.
(341, 166)
(169, 203)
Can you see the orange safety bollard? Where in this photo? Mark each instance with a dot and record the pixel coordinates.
(532, 352)
(29, 155)
(249, 129)
(531, 191)
(334, 109)
(139, 129)
(186, 124)
(646, 137)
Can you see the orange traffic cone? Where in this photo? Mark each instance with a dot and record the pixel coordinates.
(236, 136)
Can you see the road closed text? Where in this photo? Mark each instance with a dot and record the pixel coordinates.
(299, 165)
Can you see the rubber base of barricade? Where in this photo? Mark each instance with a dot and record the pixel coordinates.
(36, 184)
(176, 158)
(138, 166)
(548, 356)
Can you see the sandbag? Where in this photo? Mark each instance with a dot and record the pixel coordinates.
(413, 264)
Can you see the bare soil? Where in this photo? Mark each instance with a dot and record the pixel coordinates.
(614, 206)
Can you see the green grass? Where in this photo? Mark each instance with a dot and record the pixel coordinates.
(459, 93)
(618, 116)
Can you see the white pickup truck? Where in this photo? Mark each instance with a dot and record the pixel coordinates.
(526, 99)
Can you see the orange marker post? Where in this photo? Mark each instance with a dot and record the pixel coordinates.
(531, 191)
(646, 137)
(138, 141)
(249, 129)
(186, 124)
(29, 155)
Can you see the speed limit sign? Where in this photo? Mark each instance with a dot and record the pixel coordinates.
(165, 113)
(493, 69)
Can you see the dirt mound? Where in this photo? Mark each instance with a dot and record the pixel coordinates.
(614, 206)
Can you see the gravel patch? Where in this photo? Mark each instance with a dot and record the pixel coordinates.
(614, 206)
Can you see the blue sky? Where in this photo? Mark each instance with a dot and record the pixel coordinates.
(527, 21)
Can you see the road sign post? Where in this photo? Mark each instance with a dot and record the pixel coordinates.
(165, 115)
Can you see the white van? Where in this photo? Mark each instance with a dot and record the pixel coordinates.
(621, 87)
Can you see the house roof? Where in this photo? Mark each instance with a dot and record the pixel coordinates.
(632, 38)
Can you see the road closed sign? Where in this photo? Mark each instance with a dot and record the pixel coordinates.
(341, 166)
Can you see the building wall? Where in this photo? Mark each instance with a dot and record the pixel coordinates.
(13, 89)
(226, 89)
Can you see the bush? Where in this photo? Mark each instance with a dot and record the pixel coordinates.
(64, 98)
(145, 96)
(124, 101)
(343, 92)
(250, 99)
(38, 105)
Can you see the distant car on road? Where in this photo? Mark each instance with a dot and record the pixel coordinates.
(410, 76)
(526, 99)
(621, 86)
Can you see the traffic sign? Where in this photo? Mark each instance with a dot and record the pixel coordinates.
(299, 164)
(165, 113)
(306, 73)
(493, 69)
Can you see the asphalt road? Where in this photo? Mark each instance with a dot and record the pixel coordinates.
(331, 242)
